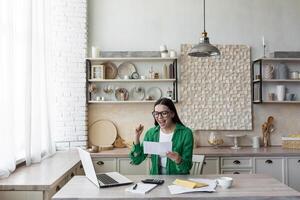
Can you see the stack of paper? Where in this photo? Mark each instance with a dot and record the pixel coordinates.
(157, 148)
(211, 187)
(141, 188)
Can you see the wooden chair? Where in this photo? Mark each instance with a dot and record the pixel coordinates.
(197, 164)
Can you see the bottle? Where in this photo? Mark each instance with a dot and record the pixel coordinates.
(165, 74)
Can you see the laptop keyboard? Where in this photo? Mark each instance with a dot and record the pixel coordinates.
(104, 178)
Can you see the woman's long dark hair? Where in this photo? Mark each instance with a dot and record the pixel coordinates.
(169, 103)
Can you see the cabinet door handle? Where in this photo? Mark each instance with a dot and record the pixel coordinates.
(57, 188)
(268, 161)
(204, 163)
(100, 162)
(237, 162)
(236, 172)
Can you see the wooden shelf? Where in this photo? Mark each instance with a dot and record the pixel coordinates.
(132, 80)
(144, 59)
(268, 85)
(282, 102)
(282, 80)
(122, 102)
(133, 58)
(277, 59)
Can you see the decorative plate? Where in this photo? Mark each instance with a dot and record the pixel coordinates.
(137, 94)
(102, 133)
(111, 70)
(126, 69)
(121, 94)
(154, 93)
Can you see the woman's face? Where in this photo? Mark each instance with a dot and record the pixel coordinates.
(163, 115)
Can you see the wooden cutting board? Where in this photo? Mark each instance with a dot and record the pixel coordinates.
(102, 133)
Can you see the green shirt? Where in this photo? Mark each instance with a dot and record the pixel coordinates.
(182, 143)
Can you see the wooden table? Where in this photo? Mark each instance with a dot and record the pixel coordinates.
(245, 187)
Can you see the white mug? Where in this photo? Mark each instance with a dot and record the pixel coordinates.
(225, 182)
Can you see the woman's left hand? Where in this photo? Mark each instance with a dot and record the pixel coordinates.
(174, 156)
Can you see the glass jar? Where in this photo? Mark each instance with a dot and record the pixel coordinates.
(215, 139)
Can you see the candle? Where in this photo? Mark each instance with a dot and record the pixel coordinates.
(263, 41)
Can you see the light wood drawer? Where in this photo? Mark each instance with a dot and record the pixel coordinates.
(128, 169)
(236, 162)
(236, 171)
(271, 166)
(105, 164)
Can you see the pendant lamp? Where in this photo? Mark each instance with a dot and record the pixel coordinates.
(204, 48)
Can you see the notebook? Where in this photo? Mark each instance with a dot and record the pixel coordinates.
(108, 179)
(141, 188)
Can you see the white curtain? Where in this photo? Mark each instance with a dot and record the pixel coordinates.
(25, 90)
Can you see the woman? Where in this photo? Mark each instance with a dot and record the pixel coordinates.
(168, 128)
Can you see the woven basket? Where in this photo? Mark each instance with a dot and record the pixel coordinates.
(290, 143)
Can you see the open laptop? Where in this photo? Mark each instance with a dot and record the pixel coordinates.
(108, 179)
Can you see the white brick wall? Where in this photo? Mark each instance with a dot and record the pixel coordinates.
(69, 32)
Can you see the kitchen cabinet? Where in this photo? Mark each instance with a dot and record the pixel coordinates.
(24, 195)
(131, 79)
(268, 73)
(286, 168)
(45, 194)
(273, 166)
(293, 172)
(125, 167)
(103, 165)
(211, 165)
(121, 165)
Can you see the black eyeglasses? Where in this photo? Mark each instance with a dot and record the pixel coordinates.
(164, 114)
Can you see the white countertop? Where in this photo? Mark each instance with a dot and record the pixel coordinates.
(245, 187)
(41, 176)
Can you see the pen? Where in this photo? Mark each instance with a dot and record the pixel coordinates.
(135, 186)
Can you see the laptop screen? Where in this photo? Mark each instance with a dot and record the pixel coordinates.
(101, 180)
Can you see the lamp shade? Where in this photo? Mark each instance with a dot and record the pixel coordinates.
(204, 48)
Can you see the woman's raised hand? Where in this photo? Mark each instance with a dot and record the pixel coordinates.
(138, 133)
